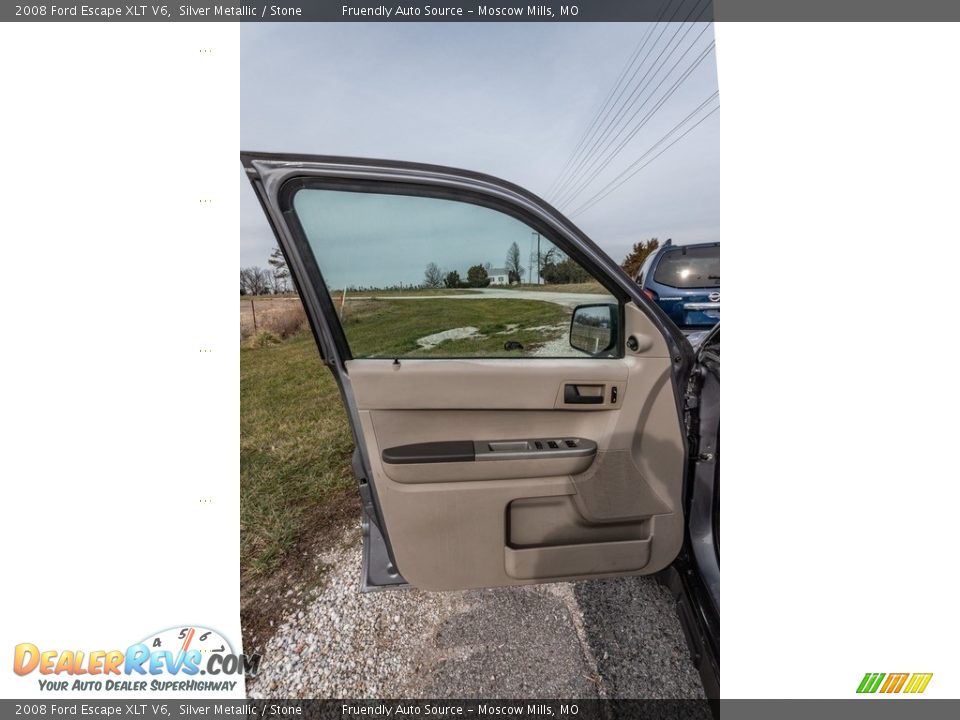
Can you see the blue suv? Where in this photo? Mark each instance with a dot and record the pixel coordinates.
(684, 280)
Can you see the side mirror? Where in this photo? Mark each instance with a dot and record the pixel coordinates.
(593, 329)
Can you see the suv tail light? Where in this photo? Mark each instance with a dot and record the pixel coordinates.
(651, 295)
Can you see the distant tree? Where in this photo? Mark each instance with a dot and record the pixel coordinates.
(563, 272)
(514, 269)
(557, 269)
(255, 280)
(478, 277)
(432, 276)
(549, 257)
(452, 280)
(634, 260)
(277, 283)
(280, 273)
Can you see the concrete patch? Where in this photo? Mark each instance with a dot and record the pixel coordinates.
(431, 341)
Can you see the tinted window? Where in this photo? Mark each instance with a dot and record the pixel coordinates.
(430, 277)
(690, 268)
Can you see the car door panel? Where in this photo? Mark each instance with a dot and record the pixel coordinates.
(451, 519)
(481, 384)
(530, 520)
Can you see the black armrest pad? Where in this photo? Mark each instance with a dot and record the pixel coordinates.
(432, 452)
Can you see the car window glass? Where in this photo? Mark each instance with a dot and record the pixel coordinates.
(689, 268)
(429, 277)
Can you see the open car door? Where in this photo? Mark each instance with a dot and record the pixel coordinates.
(517, 404)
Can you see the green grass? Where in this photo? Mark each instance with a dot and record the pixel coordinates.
(390, 328)
(295, 447)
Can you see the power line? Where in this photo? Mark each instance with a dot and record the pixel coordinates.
(629, 172)
(607, 123)
(604, 156)
(636, 128)
(607, 126)
(606, 102)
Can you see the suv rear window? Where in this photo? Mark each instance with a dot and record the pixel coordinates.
(696, 267)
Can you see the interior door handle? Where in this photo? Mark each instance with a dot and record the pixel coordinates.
(582, 394)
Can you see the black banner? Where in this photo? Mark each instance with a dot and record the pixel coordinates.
(492, 11)
(874, 708)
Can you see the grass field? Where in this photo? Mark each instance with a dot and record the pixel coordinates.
(388, 329)
(295, 448)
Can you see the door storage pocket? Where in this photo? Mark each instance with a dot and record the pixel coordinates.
(555, 520)
(582, 559)
(548, 537)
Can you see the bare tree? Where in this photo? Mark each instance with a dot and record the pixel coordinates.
(432, 276)
(514, 268)
(277, 283)
(550, 257)
(255, 280)
(280, 272)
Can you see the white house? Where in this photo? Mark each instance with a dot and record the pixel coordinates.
(498, 276)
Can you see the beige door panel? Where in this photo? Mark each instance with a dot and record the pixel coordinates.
(646, 444)
(506, 384)
(478, 524)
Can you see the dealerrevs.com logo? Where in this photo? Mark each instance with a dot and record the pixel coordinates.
(173, 659)
(910, 683)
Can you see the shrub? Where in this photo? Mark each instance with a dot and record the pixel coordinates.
(286, 322)
(262, 339)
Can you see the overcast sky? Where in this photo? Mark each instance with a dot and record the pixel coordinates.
(508, 99)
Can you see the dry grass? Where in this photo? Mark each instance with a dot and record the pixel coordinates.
(280, 317)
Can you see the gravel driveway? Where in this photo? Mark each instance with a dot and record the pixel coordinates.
(605, 638)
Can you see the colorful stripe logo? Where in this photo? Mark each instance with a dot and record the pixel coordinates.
(894, 682)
